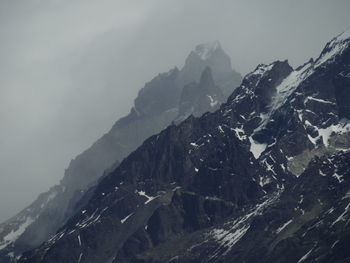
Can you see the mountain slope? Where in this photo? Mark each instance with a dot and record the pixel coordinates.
(155, 107)
(265, 178)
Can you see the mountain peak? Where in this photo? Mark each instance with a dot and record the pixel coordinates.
(334, 48)
(212, 55)
(205, 50)
(345, 35)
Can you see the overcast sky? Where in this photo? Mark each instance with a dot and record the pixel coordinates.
(70, 68)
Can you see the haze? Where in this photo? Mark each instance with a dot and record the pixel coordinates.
(69, 69)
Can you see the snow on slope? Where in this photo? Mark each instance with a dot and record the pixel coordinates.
(295, 78)
(256, 148)
(14, 234)
(326, 133)
(233, 231)
(334, 48)
(260, 70)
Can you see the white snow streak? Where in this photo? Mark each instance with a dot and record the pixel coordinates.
(229, 237)
(14, 235)
(335, 47)
(284, 226)
(79, 240)
(125, 218)
(342, 216)
(305, 256)
(149, 198)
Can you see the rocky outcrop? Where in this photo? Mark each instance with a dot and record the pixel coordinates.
(198, 98)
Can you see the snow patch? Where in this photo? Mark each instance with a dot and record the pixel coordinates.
(239, 133)
(260, 70)
(256, 148)
(125, 218)
(318, 100)
(264, 181)
(220, 129)
(149, 198)
(212, 102)
(338, 177)
(339, 128)
(14, 234)
(321, 173)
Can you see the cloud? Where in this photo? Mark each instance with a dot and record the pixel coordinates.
(69, 69)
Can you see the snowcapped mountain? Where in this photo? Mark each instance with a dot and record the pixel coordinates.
(265, 178)
(155, 107)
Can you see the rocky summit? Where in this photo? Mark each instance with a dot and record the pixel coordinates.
(264, 178)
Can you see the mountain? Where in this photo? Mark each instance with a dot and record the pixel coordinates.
(265, 178)
(155, 107)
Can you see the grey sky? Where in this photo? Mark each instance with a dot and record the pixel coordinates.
(70, 68)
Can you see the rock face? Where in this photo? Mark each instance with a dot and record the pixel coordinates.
(155, 107)
(197, 98)
(265, 178)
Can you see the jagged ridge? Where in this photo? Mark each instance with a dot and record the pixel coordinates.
(155, 107)
(257, 180)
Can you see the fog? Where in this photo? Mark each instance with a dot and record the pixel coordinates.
(70, 68)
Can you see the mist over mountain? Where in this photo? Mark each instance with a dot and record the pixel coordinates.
(70, 69)
(201, 164)
(264, 176)
(157, 105)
